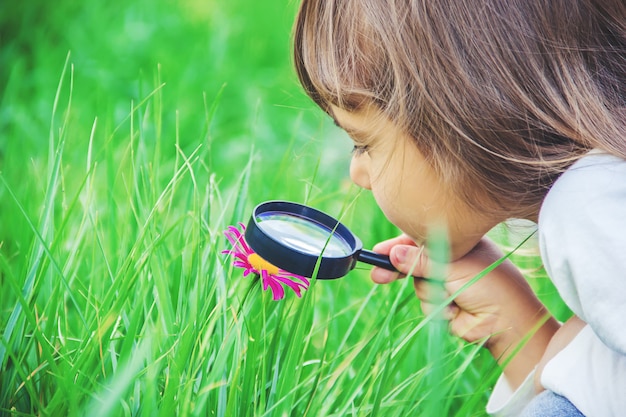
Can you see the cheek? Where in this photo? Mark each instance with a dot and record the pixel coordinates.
(406, 204)
(393, 202)
(386, 191)
(393, 189)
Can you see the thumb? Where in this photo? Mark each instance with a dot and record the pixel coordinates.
(409, 259)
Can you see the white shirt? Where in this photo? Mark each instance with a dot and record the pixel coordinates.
(582, 238)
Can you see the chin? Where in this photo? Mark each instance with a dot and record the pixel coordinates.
(459, 250)
(418, 238)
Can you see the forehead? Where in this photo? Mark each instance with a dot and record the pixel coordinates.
(365, 120)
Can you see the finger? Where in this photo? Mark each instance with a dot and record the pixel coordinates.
(460, 328)
(422, 289)
(465, 326)
(431, 291)
(448, 313)
(428, 308)
(385, 276)
(385, 246)
(409, 259)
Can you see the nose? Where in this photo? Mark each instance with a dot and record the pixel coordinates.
(359, 171)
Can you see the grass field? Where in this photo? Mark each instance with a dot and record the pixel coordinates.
(131, 135)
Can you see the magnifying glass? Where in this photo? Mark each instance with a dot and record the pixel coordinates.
(295, 237)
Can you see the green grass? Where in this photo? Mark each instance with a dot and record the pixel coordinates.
(132, 134)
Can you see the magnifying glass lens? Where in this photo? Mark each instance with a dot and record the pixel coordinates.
(303, 234)
(306, 241)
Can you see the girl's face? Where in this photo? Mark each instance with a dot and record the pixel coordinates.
(387, 162)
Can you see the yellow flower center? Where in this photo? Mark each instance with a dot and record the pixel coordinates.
(261, 264)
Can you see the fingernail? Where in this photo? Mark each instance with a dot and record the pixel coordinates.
(400, 252)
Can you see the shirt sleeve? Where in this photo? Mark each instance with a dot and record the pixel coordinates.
(582, 238)
(504, 402)
(590, 375)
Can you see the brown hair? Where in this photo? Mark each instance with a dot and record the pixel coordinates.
(500, 95)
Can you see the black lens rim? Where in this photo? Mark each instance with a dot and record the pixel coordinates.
(293, 260)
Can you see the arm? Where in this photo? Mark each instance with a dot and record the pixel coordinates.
(500, 307)
(559, 341)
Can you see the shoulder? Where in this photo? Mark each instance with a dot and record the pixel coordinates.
(592, 182)
(586, 209)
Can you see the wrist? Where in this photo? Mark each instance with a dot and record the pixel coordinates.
(519, 345)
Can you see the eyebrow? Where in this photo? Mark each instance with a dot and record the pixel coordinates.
(350, 131)
(355, 134)
(331, 113)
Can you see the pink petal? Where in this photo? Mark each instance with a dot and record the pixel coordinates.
(242, 241)
(232, 234)
(295, 278)
(277, 290)
(249, 271)
(294, 285)
(236, 238)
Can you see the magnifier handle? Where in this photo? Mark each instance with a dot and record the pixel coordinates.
(376, 259)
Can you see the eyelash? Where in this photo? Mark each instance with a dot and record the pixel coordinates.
(359, 149)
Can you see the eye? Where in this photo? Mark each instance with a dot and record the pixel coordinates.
(359, 150)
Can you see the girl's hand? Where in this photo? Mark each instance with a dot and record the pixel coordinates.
(500, 307)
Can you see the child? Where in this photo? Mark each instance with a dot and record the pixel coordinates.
(467, 113)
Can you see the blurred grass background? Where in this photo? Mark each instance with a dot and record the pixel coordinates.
(123, 51)
(221, 71)
(131, 134)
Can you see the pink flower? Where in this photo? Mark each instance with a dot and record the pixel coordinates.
(271, 276)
